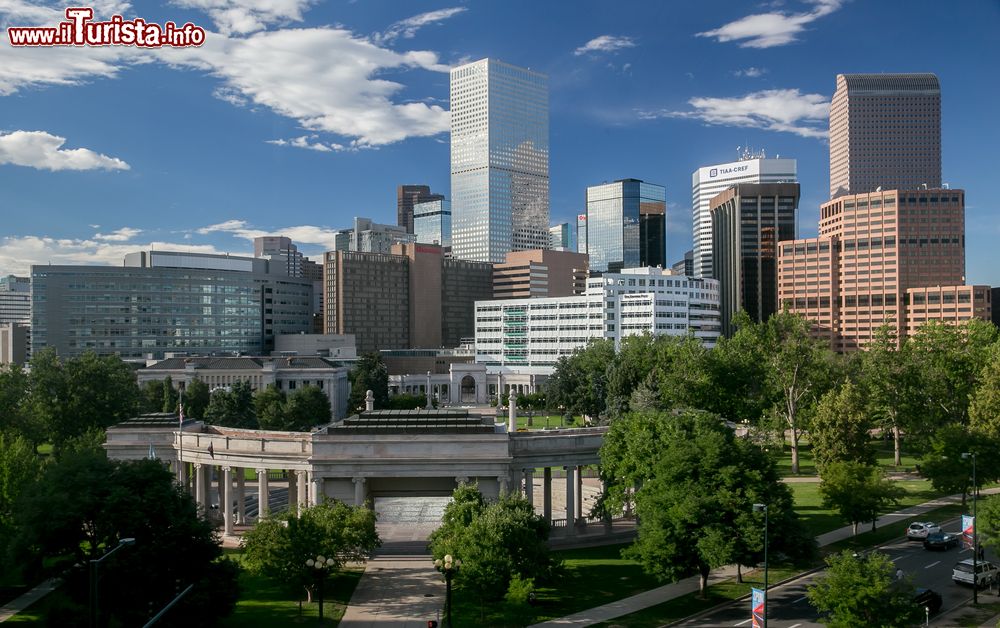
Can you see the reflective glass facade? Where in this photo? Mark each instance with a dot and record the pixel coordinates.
(499, 160)
(432, 222)
(626, 225)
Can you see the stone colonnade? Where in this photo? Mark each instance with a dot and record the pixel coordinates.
(575, 517)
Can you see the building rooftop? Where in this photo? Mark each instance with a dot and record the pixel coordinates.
(244, 363)
(415, 422)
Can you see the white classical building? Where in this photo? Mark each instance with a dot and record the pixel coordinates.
(528, 336)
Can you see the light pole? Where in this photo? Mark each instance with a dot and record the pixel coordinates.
(321, 565)
(763, 508)
(94, 605)
(975, 537)
(448, 567)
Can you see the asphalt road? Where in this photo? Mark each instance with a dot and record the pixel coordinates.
(789, 608)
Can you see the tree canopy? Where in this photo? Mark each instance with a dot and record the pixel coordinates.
(839, 431)
(369, 373)
(863, 591)
(233, 407)
(860, 492)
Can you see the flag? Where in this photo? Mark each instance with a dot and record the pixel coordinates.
(757, 597)
(211, 450)
(152, 454)
(968, 531)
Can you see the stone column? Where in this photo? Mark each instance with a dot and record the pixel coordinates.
(502, 481)
(607, 515)
(182, 473)
(217, 471)
(302, 484)
(547, 494)
(369, 401)
(430, 394)
(293, 493)
(241, 495)
(227, 501)
(512, 413)
(570, 502)
(315, 494)
(263, 494)
(199, 486)
(529, 487)
(359, 491)
(461, 479)
(579, 495)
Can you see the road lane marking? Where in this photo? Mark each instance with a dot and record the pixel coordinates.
(745, 621)
(803, 598)
(932, 564)
(795, 626)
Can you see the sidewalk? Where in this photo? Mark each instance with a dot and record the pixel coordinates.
(669, 592)
(18, 604)
(417, 594)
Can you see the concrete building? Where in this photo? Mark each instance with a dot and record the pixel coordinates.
(885, 133)
(432, 222)
(333, 346)
(411, 298)
(950, 304)
(407, 196)
(15, 300)
(13, 343)
(581, 233)
(161, 301)
(748, 221)
(872, 250)
(370, 237)
(994, 296)
(540, 273)
(684, 266)
(287, 373)
(285, 258)
(499, 160)
(707, 182)
(626, 225)
(562, 237)
(528, 336)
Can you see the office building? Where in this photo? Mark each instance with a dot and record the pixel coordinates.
(528, 336)
(13, 343)
(748, 221)
(540, 273)
(285, 259)
(370, 237)
(499, 160)
(684, 266)
(874, 252)
(562, 237)
(15, 300)
(626, 225)
(581, 233)
(707, 182)
(885, 133)
(407, 196)
(432, 222)
(411, 298)
(994, 295)
(161, 301)
(334, 346)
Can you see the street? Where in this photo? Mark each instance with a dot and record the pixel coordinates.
(788, 606)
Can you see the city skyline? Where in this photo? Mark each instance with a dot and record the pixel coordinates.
(655, 101)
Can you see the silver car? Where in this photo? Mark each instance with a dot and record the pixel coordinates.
(919, 530)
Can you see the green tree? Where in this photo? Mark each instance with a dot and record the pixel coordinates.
(269, 404)
(889, 379)
(984, 408)
(988, 525)
(306, 407)
(151, 393)
(279, 546)
(170, 395)
(579, 383)
(14, 415)
(944, 466)
(84, 504)
(233, 407)
(406, 401)
(863, 591)
(369, 373)
(859, 492)
(196, 399)
(840, 429)
(19, 467)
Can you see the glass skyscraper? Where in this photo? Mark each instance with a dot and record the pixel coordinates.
(499, 160)
(626, 225)
(432, 222)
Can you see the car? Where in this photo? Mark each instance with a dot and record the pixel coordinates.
(941, 540)
(919, 530)
(928, 599)
(986, 572)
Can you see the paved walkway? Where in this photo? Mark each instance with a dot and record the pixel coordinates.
(398, 592)
(18, 604)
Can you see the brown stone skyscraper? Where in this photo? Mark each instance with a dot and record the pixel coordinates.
(406, 197)
(885, 132)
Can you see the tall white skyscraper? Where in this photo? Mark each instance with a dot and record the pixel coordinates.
(499, 160)
(708, 181)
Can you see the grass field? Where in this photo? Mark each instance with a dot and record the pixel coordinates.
(807, 466)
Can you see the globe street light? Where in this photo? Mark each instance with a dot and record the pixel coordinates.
(94, 605)
(763, 508)
(975, 537)
(322, 566)
(449, 567)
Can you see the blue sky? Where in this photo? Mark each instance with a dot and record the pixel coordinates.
(297, 115)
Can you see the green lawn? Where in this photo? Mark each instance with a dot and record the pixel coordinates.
(540, 421)
(807, 466)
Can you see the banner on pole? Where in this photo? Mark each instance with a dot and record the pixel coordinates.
(757, 607)
(968, 531)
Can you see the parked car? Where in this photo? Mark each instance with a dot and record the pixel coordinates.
(941, 540)
(985, 572)
(919, 530)
(929, 599)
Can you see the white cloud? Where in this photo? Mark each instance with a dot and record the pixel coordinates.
(118, 235)
(248, 16)
(785, 110)
(308, 142)
(41, 150)
(408, 28)
(302, 234)
(605, 43)
(751, 72)
(766, 30)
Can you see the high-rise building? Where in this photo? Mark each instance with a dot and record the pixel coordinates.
(406, 197)
(540, 273)
(885, 133)
(368, 236)
(708, 181)
(891, 257)
(15, 299)
(626, 225)
(499, 160)
(13, 343)
(283, 255)
(748, 221)
(684, 266)
(562, 237)
(432, 222)
(581, 233)
(162, 301)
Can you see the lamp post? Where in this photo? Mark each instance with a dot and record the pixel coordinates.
(763, 508)
(321, 565)
(95, 611)
(975, 536)
(448, 567)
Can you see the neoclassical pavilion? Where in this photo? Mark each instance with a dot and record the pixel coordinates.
(386, 453)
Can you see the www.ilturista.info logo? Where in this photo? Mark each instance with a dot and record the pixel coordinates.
(79, 29)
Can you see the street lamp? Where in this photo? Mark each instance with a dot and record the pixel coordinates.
(449, 567)
(322, 565)
(763, 508)
(94, 606)
(975, 537)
